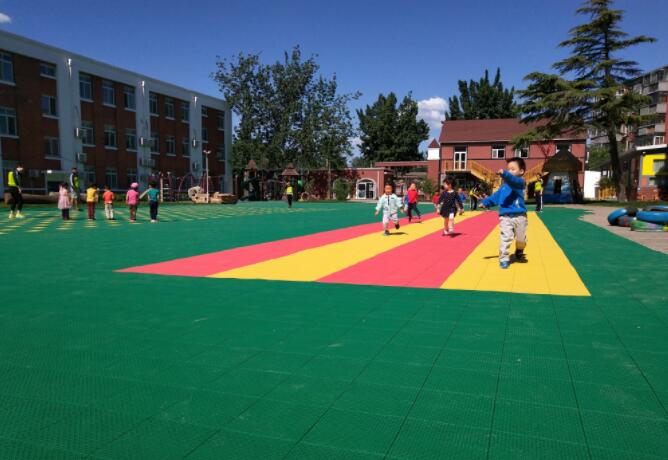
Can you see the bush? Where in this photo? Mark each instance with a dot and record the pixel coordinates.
(341, 189)
(428, 187)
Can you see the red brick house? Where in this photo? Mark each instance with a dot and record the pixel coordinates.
(473, 150)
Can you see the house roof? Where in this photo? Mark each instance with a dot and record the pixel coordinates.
(433, 144)
(499, 130)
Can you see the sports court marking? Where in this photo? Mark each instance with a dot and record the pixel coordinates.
(415, 256)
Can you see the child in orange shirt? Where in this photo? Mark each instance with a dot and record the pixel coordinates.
(108, 197)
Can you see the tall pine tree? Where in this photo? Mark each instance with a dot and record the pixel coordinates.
(596, 96)
(482, 99)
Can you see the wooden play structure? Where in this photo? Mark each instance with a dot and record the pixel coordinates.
(199, 196)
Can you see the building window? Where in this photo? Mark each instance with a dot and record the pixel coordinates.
(89, 175)
(170, 145)
(8, 122)
(85, 87)
(110, 136)
(49, 107)
(522, 153)
(129, 100)
(169, 108)
(185, 112)
(155, 142)
(205, 112)
(221, 121)
(657, 165)
(87, 134)
(185, 147)
(47, 70)
(153, 104)
(205, 135)
(51, 147)
(131, 175)
(6, 68)
(498, 151)
(566, 147)
(131, 139)
(220, 153)
(111, 178)
(108, 93)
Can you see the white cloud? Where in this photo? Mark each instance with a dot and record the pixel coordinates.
(4, 19)
(432, 111)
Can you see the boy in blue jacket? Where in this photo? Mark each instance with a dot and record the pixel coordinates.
(512, 211)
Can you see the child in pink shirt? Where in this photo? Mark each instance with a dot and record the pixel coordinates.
(132, 199)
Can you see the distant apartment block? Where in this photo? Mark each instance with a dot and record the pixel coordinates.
(59, 110)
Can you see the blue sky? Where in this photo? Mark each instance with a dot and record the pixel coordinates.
(373, 46)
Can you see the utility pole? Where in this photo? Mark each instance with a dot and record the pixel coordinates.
(206, 172)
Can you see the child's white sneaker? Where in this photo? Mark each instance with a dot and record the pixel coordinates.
(19, 215)
(11, 215)
(445, 233)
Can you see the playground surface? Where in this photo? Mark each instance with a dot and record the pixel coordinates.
(254, 331)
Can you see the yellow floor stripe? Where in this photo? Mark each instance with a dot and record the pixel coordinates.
(548, 270)
(313, 264)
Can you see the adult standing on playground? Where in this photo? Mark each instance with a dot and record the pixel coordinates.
(412, 202)
(538, 193)
(473, 195)
(14, 185)
(75, 188)
(289, 193)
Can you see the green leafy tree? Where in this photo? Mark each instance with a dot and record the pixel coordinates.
(596, 95)
(598, 155)
(287, 112)
(391, 132)
(482, 99)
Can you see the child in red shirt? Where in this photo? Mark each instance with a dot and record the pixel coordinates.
(108, 197)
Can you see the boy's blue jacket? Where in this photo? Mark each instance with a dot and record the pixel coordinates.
(510, 197)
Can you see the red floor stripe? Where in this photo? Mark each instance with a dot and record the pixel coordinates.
(426, 262)
(216, 262)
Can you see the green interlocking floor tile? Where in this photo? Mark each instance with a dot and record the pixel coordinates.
(534, 368)
(308, 390)
(271, 361)
(462, 381)
(408, 354)
(633, 435)
(469, 360)
(619, 373)
(641, 402)
(405, 375)
(16, 450)
(332, 367)
(608, 454)
(276, 419)
(505, 446)
(20, 416)
(247, 382)
(352, 349)
(144, 399)
(540, 421)
(223, 357)
(426, 440)
(454, 408)
(422, 339)
(206, 408)
(189, 375)
(476, 343)
(538, 391)
(231, 445)
(522, 347)
(377, 399)
(349, 430)
(156, 439)
(306, 451)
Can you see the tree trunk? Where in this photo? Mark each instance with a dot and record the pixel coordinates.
(616, 165)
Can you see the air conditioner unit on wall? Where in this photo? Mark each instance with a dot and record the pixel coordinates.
(82, 157)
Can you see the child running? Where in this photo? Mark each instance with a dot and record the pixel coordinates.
(390, 204)
(64, 203)
(92, 196)
(449, 202)
(512, 211)
(108, 197)
(412, 198)
(153, 197)
(132, 199)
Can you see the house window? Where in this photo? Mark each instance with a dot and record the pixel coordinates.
(111, 178)
(131, 139)
(185, 147)
(47, 70)
(49, 107)
(170, 145)
(131, 175)
(129, 100)
(85, 87)
(169, 108)
(155, 142)
(185, 112)
(220, 153)
(6, 68)
(498, 151)
(658, 140)
(87, 134)
(8, 121)
(205, 135)
(566, 147)
(522, 153)
(205, 112)
(657, 165)
(110, 136)
(51, 147)
(89, 175)
(108, 93)
(221, 121)
(153, 104)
